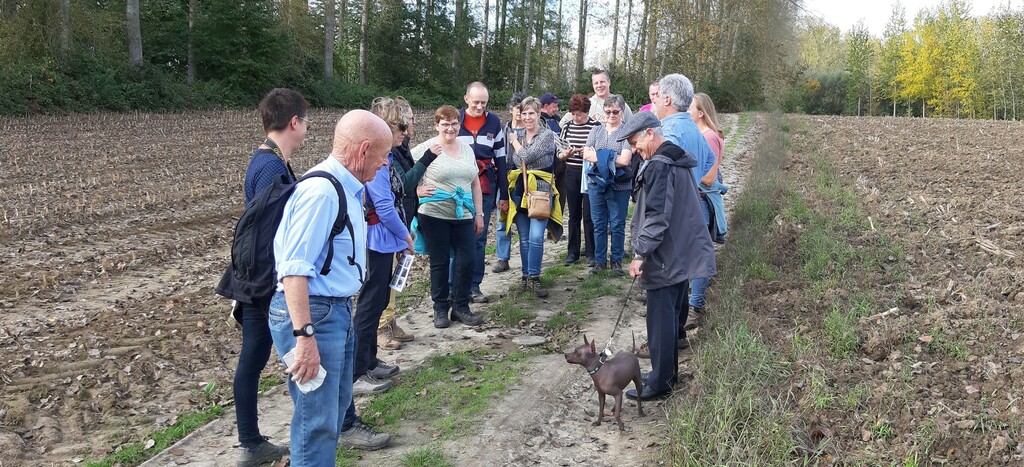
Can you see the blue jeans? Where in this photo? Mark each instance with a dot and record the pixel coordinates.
(531, 242)
(318, 415)
(502, 242)
(256, 342)
(697, 289)
(608, 210)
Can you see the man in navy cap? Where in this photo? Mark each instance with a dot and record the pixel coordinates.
(549, 111)
(671, 244)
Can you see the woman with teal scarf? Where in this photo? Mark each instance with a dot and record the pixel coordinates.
(450, 216)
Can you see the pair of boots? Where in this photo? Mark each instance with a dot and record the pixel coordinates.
(391, 337)
(441, 320)
(532, 284)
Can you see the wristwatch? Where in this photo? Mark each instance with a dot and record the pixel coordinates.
(637, 256)
(307, 330)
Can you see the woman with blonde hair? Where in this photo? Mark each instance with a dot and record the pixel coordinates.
(702, 111)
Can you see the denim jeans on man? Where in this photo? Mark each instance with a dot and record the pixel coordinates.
(531, 242)
(319, 414)
(502, 241)
(608, 210)
(256, 343)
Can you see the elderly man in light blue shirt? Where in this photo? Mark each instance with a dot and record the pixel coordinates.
(311, 314)
(675, 95)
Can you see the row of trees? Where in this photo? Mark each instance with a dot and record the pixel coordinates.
(947, 63)
(169, 54)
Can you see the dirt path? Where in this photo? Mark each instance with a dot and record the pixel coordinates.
(546, 419)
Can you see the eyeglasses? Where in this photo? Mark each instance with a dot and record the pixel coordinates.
(448, 126)
(612, 112)
(304, 119)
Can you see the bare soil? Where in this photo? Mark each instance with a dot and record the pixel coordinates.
(940, 373)
(114, 231)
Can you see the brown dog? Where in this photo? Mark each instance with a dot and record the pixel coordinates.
(611, 376)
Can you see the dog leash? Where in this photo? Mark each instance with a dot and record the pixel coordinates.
(625, 301)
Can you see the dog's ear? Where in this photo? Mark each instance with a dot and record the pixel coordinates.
(585, 340)
(593, 346)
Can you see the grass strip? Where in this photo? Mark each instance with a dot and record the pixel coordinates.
(136, 453)
(731, 415)
(449, 392)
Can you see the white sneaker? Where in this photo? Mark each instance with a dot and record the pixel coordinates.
(367, 384)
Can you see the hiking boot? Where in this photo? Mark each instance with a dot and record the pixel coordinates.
(476, 296)
(367, 384)
(643, 351)
(399, 334)
(571, 259)
(466, 316)
(683, 344)
(386, 341)
(383, 371)
(616, 268)
(598, 267)
(524, 284)
(500, 266)
(694, 319)
(591, 263)
(262, 453)
(441, 319)
(534, 285)
(362, 437)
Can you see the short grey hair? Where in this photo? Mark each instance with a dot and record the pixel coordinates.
(678, 88)
(616, 100)
(658, 131)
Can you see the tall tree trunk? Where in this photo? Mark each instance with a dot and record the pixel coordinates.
(629, 23)
(540, 28)
(483, 43)
(65, 27)
(582, 41)
(615, 35)
(504, 13)
(190, 74)
(652, 40)
(363, 26)
(558, 60)
(457, 43)
(527, 55)
(7, 8)
(134, 35)
(329, 20)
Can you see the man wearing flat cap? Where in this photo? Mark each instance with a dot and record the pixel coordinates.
(549, 111)
(671, 244)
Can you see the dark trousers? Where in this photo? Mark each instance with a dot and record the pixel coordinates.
(579, 209)
(664, 329)
(373, 299)
(489, 203)
(445, 238)
(256, 342)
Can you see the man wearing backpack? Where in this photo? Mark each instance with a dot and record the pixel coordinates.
(283, 112)
(311, 313)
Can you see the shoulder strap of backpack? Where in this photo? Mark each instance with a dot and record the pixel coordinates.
(341, 222)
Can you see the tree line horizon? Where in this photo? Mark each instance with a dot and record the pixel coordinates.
(166, 55)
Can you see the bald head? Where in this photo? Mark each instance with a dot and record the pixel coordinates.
(476, 99)
(362, 141)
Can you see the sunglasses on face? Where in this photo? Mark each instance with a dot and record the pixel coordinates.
(403, 126)
(612, 112)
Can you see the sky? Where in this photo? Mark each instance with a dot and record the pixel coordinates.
(876, 13)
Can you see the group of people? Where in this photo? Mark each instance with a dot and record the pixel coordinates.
(437, 198)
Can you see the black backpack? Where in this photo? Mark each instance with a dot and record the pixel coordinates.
(251, 276)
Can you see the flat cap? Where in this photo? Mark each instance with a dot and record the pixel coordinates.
(548, 98)
(640, 122)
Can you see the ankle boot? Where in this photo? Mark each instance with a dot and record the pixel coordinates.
(537, 289)
(524, 284)
(466, 316)
(441, 319)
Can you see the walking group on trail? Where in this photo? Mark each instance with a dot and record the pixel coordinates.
(338, 234)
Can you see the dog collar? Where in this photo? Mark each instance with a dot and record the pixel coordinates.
(594, 370)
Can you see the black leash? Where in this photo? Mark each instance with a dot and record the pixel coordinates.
(625, 301)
